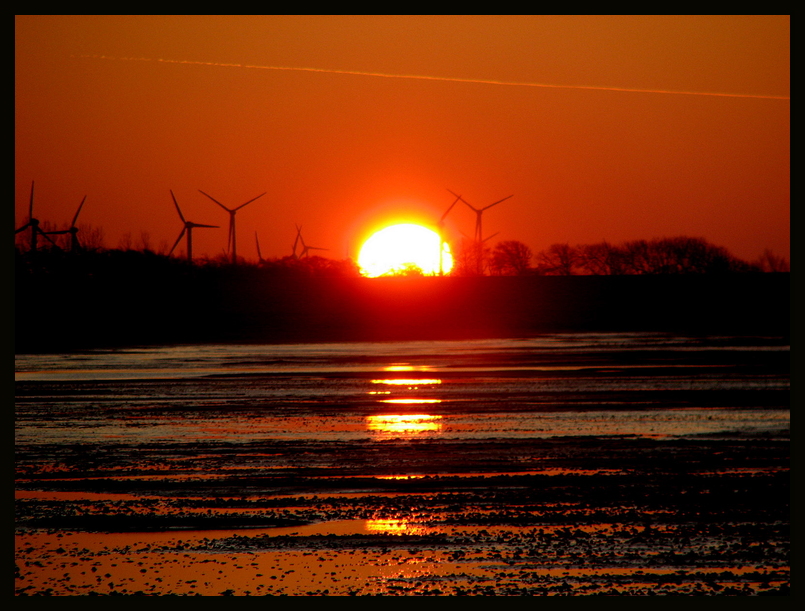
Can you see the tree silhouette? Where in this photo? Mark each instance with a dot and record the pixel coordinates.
(601, 259)
(677, 255)
(466, 258)
(769, 262)
(408, 270)
(510, 258)
(558, 260)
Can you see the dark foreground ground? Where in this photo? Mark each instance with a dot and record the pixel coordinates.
(566, 516)
(64, 309)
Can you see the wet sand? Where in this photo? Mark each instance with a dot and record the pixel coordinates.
(584, 516)
(200, 480)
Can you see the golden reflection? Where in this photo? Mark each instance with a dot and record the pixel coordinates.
(398, 527)
(405, 367)
(408, 381)
(390, 527)
(410, 401)
(404, 423)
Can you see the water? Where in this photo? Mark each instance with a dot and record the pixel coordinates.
(645, 385)
(484, 467)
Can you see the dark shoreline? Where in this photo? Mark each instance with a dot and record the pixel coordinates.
(60, 312)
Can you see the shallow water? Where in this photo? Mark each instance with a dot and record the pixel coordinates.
(558, 385)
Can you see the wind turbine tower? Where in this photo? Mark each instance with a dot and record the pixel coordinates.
(231, 242)
(188, 228)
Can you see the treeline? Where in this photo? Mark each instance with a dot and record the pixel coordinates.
(676, 255)
(661, 256)
(109, 262)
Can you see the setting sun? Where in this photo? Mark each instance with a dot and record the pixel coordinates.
(398, 249)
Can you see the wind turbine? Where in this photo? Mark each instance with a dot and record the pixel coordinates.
(305, 247)
(34, 224)
(188, 228)
(440, 226)
(75, 245)
(231, 239)
(479, 214)
(479, 238)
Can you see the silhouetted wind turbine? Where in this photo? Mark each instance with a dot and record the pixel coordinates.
(440, 226)
(305, 248)
(479, 215)
(231, 245)
(75, 246)
(33, 223)
(188, 228)
(479, 238)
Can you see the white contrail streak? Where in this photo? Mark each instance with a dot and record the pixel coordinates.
(436, 78)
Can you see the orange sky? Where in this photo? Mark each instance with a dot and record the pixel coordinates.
(340, 154)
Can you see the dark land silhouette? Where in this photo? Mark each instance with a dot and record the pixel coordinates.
(127, 298)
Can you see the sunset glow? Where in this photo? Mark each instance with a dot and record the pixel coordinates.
(638, 127)
(404, 247)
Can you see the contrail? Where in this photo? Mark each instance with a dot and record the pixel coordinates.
(437, 78)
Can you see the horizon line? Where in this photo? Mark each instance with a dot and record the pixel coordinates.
(437, 78)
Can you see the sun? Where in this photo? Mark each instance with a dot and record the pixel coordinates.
(404, 247)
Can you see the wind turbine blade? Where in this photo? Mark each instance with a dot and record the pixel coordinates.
(179, 210)
(176, 243)
(31, 203)
(490, 237)
(257, 243)
(48, 238)
(215, 200)
(24, 227)
(497, 202)
(460, 198)
(444, 216)
(81, 205)
(251, 200)
(200, 225)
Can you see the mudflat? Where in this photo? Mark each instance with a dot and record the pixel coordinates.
(565, 465)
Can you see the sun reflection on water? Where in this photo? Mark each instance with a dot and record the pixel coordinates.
(398, 527)
(408, 424)
(410, 401)
(406, 367)
(408, 381)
